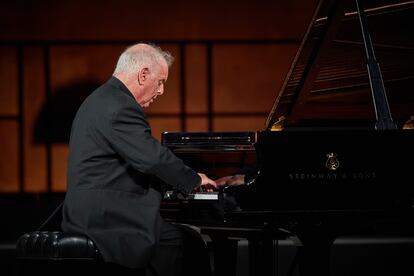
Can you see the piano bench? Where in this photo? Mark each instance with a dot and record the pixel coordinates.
(58, 253)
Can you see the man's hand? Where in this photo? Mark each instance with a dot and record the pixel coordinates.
(207, 184)
(231, 180)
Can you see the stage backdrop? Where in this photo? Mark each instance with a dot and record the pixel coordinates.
(231, 59)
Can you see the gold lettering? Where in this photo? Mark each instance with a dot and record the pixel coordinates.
(358, 175)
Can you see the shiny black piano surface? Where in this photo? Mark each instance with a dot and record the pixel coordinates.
(321, 148)
(325, 165)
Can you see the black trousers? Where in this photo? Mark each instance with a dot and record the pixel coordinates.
(181, 252)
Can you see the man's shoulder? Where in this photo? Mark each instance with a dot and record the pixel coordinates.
(109, 101)
(108, 95)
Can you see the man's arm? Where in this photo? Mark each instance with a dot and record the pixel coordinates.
(131, 137)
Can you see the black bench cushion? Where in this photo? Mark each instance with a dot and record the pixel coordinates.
(56, 245)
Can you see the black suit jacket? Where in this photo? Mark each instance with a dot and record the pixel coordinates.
(112, 157)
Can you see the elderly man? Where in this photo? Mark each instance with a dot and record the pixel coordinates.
(115, 167)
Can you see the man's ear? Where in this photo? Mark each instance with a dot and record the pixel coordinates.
(143, 75)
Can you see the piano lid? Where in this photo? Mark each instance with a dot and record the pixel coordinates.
(328, 83)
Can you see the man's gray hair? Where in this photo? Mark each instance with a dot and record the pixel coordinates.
(139, 55)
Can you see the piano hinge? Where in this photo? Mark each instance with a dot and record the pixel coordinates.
(278, 125)
(409, 124)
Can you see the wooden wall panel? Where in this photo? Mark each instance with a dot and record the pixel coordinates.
(9, 157)
(138, 19)
(247, 78)
(34, 97)
(59, 156)
(196, 78)
(76, 63)
(239, 123)
(159, 125)
(9, 95)
(197, 124)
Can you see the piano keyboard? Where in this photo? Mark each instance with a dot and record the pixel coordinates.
(193, 196)
(204, 196)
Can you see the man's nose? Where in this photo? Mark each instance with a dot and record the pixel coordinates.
(161, 90)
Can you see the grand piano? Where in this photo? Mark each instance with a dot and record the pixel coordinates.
(336, 151)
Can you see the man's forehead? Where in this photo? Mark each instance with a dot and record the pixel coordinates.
(163, 71)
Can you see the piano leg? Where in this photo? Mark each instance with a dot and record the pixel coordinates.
(262, 252)
(224, 254)
(261, 256)
(315, 250)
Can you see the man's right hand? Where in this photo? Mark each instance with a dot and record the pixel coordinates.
(207, 184)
